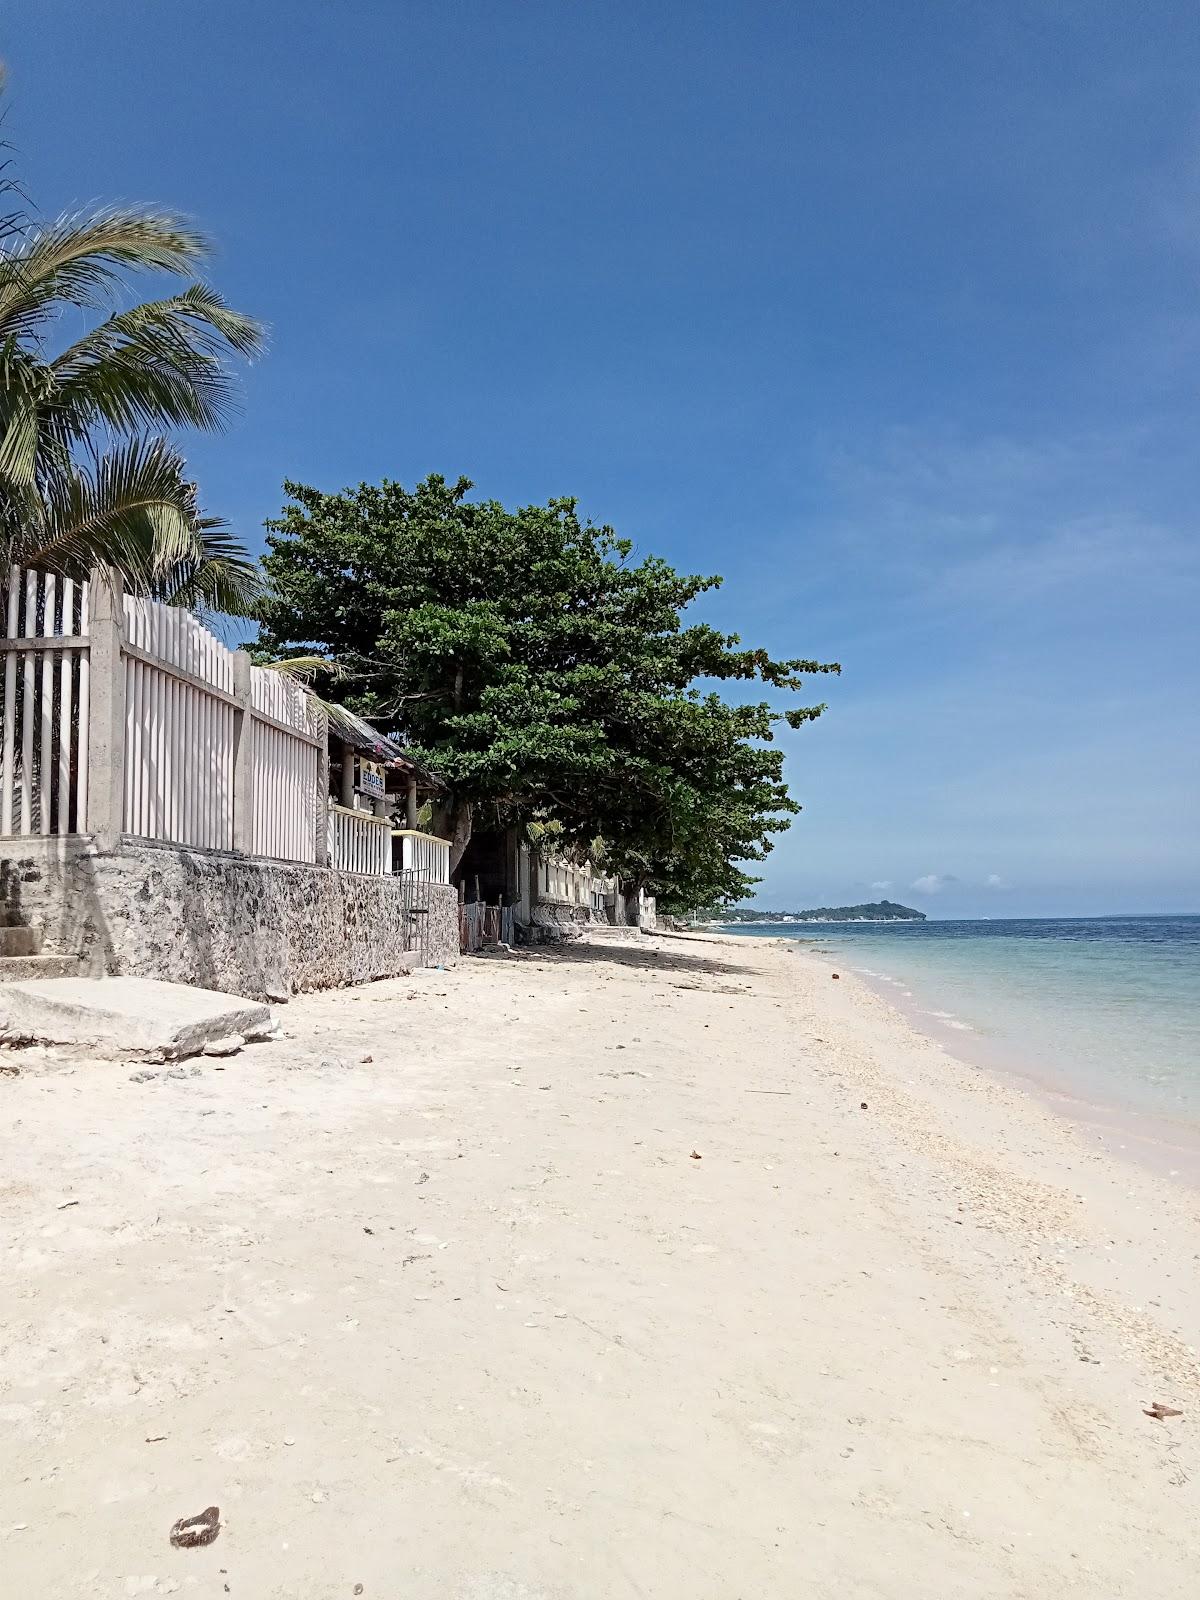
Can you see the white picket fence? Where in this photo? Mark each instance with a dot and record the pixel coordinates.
(288, 734)
(424, 854)
(43, 774)
(185, 692)
(359, 841)
(205, 749)
(180, 711)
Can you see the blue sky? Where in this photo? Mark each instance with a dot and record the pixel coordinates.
(889, 311)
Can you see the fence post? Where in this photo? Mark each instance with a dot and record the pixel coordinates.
(347, 775)
(321, 813)
(243, 757)
(106, 710)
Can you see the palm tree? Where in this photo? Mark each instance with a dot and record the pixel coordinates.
(88, 472)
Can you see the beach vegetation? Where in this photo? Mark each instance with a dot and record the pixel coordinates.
(95, 383)
(545, 673)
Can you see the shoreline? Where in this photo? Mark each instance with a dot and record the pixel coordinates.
(1168, 1145)
(658, 1265)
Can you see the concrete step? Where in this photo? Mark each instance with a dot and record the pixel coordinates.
(20, 969)
(20, 941)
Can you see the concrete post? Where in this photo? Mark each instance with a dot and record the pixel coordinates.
(348, 775)
(321, 809)
(410, 804)
(524, 882)
(243, 757)
(106, 710)
(535, 876)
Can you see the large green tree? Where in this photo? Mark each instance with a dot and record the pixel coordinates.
(89, 471)
(542, 672)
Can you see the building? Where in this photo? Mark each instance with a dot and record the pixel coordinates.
(165, 810)
(550, 894)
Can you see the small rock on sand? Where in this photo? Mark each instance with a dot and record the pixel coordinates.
(229, 1046)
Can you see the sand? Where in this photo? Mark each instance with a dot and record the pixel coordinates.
(595, 1281)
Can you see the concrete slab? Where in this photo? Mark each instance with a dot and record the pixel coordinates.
(119, 1018)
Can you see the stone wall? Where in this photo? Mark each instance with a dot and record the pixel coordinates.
(264, 929)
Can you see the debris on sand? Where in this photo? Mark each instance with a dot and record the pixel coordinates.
(228, 1046)
(1159, 1411)
(190, 1533)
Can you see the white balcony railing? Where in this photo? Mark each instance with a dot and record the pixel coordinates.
(359, 842)
(424, 855)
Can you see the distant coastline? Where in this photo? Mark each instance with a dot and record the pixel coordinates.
(874, 911)
(788, 921)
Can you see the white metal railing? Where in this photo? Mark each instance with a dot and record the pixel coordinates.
(43, 774)
(424, 854)
(359, 842)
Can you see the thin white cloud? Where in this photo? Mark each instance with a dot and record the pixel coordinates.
(995, 881)
(998, 520)
(884, 883)
(933, 882)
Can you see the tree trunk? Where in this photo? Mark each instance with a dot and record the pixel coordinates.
(460, 821)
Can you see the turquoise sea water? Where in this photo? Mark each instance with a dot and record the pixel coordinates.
(1106, 1009)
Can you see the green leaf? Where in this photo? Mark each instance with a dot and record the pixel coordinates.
(546, 675)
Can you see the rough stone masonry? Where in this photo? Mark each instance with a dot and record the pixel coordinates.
(257, 928)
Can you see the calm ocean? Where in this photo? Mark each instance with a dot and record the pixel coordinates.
(1105, 1008)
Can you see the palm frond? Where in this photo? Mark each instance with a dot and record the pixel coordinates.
(305, 668)
(23, 387)
(220, 577)
(157, 365)
(302, 670)
(69, 499)
(132, 509)
(135, 510)
(81, 260)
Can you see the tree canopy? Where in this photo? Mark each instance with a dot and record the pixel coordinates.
(88, 469)
(542, 672)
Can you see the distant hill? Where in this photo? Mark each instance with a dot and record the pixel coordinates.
(877, 911)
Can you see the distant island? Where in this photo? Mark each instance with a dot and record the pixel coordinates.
(877, 911)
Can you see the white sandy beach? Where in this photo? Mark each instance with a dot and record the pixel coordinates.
(469, 1320)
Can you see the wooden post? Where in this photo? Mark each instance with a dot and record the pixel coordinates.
(106, 711)
(243, 757)
(410, 804)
